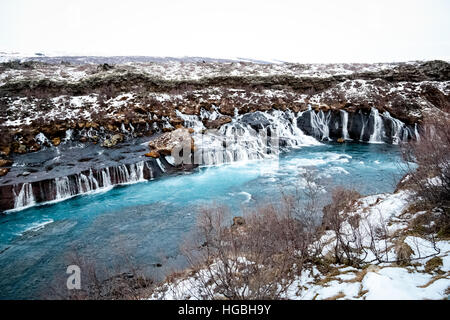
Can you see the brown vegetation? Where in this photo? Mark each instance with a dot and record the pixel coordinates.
(431, 179)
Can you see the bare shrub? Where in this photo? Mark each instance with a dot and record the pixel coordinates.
(100, 283)
(342, 200)
(403, 252)
(431, 179)
(257, 260)
(349, 246)
(257, 257)
(431, 152)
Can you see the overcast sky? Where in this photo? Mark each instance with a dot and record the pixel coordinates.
(298, 31)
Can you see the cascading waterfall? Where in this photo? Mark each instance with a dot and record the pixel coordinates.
(320, 123)
(376, 136)
(344, 120)
(161, 166)
(370, 127)
(250, 136)
(416, 132)
(286, 126)
(398, 129)
(364, 125)
(89, 183)
(239, 141)
(25, 198)
(191, 121)
(42, 139)
(106, 178)
(85, 182)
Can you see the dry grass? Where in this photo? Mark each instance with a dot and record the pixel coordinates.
(433, 264)
(434, 279)
(340, 295)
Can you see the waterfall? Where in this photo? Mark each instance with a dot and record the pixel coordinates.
(150, 170)
(344, 120)
(416, 132)
(320, 124)
(63, 188)
(364, 125)
(250, 136)
(239, 141)
(376, 136)
(399, 131)
(25, 198)
(106, 178)
(191, 121)
(69, 134)
(42, 139)
(69, 186)
(136, 172)
(161, 166)
(286, 126)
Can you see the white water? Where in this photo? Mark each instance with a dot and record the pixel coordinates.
(344, 120)
(399, 132)
(378, 127)
(320, 123)
(416, 132)
(364, 125)
(42, 139)
(25, 198)
(68, 187)
(238, 141)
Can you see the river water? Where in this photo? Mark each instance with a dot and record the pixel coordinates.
(146, 222)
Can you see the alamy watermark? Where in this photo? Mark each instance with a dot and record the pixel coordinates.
(74, 280)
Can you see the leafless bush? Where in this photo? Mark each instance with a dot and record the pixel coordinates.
(432, 155)
(256, 259)
(258, 255)
(101, 283)
(349, 246)
(431, 179)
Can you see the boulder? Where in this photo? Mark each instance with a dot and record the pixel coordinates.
(20, 148)
(3, 171)
(5, 151)
(257, 120)
(165, 143)
(215, 124)
(56, 141)
(153, 154)
(5, 163)
(109, 143)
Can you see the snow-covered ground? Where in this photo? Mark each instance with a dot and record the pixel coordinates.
(26, 108)
(184, 68)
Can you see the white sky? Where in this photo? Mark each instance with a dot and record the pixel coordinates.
(299, 31)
